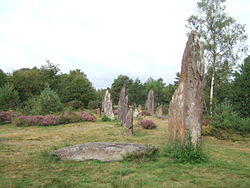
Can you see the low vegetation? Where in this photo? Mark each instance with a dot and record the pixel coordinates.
(26, 160)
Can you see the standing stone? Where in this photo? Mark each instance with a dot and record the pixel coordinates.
(150, 102)
(128, 125)
(159, 111)
(186, 106)
(107, 105)
(122, 106)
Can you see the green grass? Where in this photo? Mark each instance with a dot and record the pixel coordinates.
(26, 160)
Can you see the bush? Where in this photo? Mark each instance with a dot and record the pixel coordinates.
(49, 102)
(36, 120)
(93, 104)
(75, 104)
(185, 153)
(9, 97)
(226, 119)
(5, 117)
(105, 118)
(147, 124)
(85, 116)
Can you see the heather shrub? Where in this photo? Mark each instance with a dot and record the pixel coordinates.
(69, 117)
(49, 102)
(36, 120)
(147, 124)
(9, 97)
(144, 113)
(85, 116)
(5, 117)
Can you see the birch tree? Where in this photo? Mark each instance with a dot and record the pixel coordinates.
(224, 39)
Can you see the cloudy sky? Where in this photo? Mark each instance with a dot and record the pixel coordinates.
(103, 38)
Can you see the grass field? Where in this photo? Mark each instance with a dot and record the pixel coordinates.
(25, 159)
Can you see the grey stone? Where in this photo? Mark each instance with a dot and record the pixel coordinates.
(128, 125)
(123, 106)
(103, 151)
(150, 102)
(186, 106)
(107, 105)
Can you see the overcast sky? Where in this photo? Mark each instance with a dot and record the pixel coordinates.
(103, 38)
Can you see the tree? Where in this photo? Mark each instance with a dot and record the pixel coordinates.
(158, 87)
(3, 78)
(9, 98)
(120, 82)
(241, 86)
(137, 93)
(28, 83)
(224, 39)
(76, 87)
(49, 102)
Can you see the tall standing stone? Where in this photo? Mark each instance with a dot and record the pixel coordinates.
(150, 102)
(122, 106)
(186, 106)
(128, 125)
(107, 105)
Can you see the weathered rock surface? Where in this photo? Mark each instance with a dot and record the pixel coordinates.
(107, 105)
(150, 104)
(159, 111)
(103, 151)
(128, 125)
(122, 106)
(186, 106)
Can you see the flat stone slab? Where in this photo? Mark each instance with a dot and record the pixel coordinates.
(102, 151)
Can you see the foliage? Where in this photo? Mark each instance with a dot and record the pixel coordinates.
(28, 82)
(147, 124)
(49, 102)
(75, 104)
(9, 97)
(105, 118)
(185, 153)
(241, 89)
(94, 104)
(150, 154)
(3, 78)
(158, 87)
(120, 82)
(224, 41)
(76, 86)
(137, 93)
(46, 120)
(36, 120)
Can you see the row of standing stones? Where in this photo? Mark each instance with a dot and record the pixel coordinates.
(184, 119)
(186, 106)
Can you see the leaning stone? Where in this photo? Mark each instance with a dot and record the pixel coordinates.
(186, 106)
(128, 125)
(102, 151)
